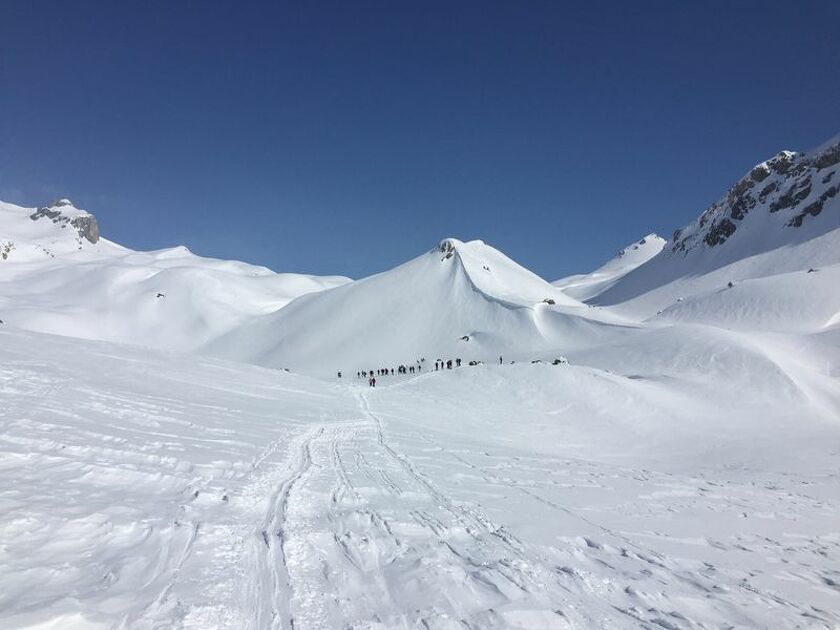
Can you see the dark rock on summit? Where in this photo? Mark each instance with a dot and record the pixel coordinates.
(84, 222)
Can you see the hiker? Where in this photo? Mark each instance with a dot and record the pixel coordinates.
(457, 362)
(373, 382)
(339, 375)
(500, 360)
(437, 367)
(449, 364)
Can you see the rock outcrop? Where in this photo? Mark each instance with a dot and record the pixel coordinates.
(62, 212)
(793, 185)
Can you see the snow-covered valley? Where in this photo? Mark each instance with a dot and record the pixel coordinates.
(654, 444)
(159, 490)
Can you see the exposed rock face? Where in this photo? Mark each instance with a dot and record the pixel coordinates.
(62, 212)
(794, 185)
(87, 227)
(447, 248)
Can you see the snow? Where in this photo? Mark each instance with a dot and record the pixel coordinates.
(164, 490)
(181, 453)
(422, 309)
(53, 281)
(766, 240)
(589, 285)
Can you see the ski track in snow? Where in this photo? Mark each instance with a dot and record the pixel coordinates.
(207, 497)
(369, 541)
(678, 470)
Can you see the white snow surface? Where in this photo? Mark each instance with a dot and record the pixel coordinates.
(53, 281)
(782, 217)
(693, 485)
(464, 300)
(586, 286)
(667, 458)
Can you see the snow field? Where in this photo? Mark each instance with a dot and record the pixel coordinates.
(160, 490)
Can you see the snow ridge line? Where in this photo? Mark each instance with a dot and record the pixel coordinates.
(274, 585)
(512, 306)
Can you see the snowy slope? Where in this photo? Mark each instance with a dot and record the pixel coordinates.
(588, 285)
(680, 471)
(794, 302)
(158, 490)
(782, 217)
(54, 279)
(464, 300)
(57, 229)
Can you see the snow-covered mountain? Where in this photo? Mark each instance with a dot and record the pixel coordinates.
(465, 300)
(58, 276)
(57, 229)
(678, 471)
(588, 285)
(782, 217)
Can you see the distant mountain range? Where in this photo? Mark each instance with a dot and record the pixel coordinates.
(771, 242)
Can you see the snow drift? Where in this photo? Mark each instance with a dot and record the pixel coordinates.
(464, 300)
(586, 286)
(58, 276)
(678, 471)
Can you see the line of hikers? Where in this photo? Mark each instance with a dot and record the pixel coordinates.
(388, 371)
(371, 375)
(440, 364)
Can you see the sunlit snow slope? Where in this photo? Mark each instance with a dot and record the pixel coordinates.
(783, 217)
(464, 300)
(679, 471)
(586, 286)
(693, 485)
(53, 278)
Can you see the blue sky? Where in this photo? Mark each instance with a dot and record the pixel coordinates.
(347, 137)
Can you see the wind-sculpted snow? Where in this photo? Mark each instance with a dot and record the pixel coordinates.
(669, 460)
(589, 285)
(157, 490)
(51, 280)
(467, 301)
(802, 301)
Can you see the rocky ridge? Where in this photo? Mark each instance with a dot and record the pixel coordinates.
(794, 185)
(62, 212)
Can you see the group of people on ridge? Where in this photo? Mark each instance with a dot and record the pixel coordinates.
(440, 364)
(371, 375)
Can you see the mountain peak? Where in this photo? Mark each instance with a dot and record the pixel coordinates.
(447, 246)
(792, 187)
(652, 242)
(62, 212)
(628, 258)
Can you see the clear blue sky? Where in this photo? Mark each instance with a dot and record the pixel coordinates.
(347, 137)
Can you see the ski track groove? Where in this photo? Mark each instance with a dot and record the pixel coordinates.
(273, 610)
(366, 528)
